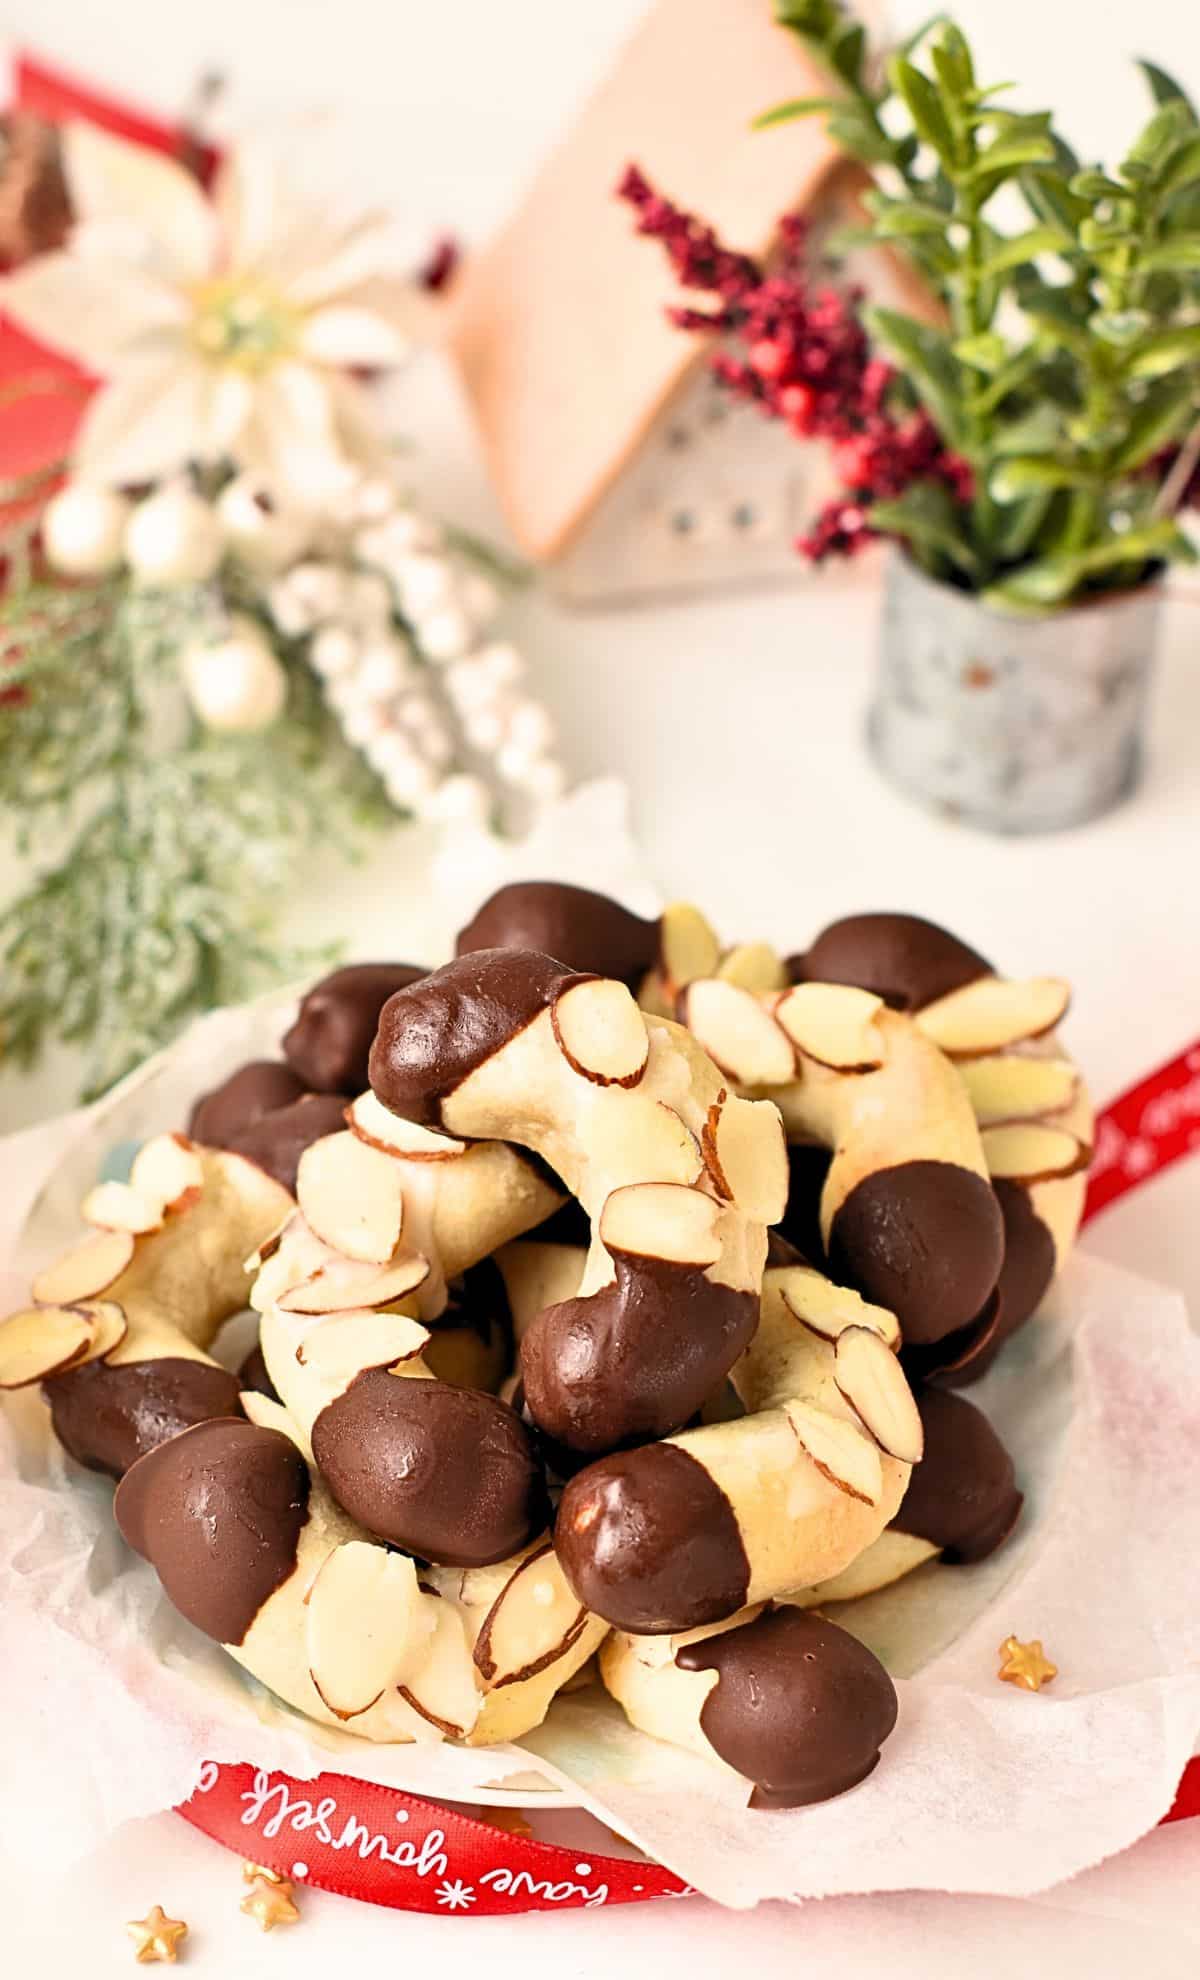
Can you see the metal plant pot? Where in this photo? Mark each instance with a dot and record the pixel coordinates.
(1010, 723)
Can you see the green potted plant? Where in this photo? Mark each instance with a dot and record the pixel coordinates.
(1028, 446)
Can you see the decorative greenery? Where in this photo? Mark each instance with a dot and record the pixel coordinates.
(1067, 372)
(171, 850)
(230, 634)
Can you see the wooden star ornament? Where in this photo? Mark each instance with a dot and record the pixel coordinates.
(1025, 1664)
(253, 1871)
(156, 1937)
(269, 1901)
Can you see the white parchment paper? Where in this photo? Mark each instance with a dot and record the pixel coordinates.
(113, 1702)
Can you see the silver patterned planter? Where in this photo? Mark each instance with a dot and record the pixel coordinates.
(1013, 724)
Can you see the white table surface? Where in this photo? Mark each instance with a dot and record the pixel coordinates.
(736, 724)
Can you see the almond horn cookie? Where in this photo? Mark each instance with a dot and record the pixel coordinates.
(253, 1551)
(785, 1699)
(907, 1211)
(1029, 1098)
(678, 1176)
(688, 1531)
(962, 1503)
(447, 1472)
(121, 1326)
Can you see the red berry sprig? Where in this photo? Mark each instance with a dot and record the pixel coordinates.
(796, 347)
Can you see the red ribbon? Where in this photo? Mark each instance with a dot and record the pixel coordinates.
(370, 1842)
(1145, 1131)
(59, 98)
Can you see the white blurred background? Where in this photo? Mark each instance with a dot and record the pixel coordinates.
(449, 105)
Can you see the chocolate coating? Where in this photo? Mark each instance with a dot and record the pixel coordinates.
(1029, 1265)
(435, 1033)
(261, 1087)
(636, 1359)
(218, 1512)
(648, 1540)
(926, 1240)
(108, 1418)
(800, 1707)
(448, 1474)
(275, 1142)
(903, 959)
(254, 1374)
(963, 1495)
(329, 1044)
(957, 1358)
(808, 1166)
(587, 931)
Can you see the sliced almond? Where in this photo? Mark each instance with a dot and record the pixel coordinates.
(365, 1623)
(872, 1381)
(834, 1024)
(752, 966)
(443, 1687)
(839, 1450)
(532, 1623)
(1032, 1152)
(601, 1033)
(41, 1341)
(738, 1033)
(828, 1310)
(345, 1284)
(627, 1129)
(168, 1170)
(1010, 1088)
(746, 1155)
(992, 1013)
(87, 1271)
(369, 1120)
(109, 1328)
(664, 1221)
(270, 1245)
(116, 1206)
(347, 1343)
(687, 946)
(352, 1197)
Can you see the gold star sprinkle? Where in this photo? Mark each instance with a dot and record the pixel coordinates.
(252, 1871)
(1025, 1664)
(269, 1900)
(156, 1937)
(511, 1820)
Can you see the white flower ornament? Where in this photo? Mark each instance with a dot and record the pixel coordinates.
(222, 326)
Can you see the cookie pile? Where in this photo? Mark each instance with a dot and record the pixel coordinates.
(613, 1289)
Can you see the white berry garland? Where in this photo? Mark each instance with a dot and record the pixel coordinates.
(434, 703)
(395, 621)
